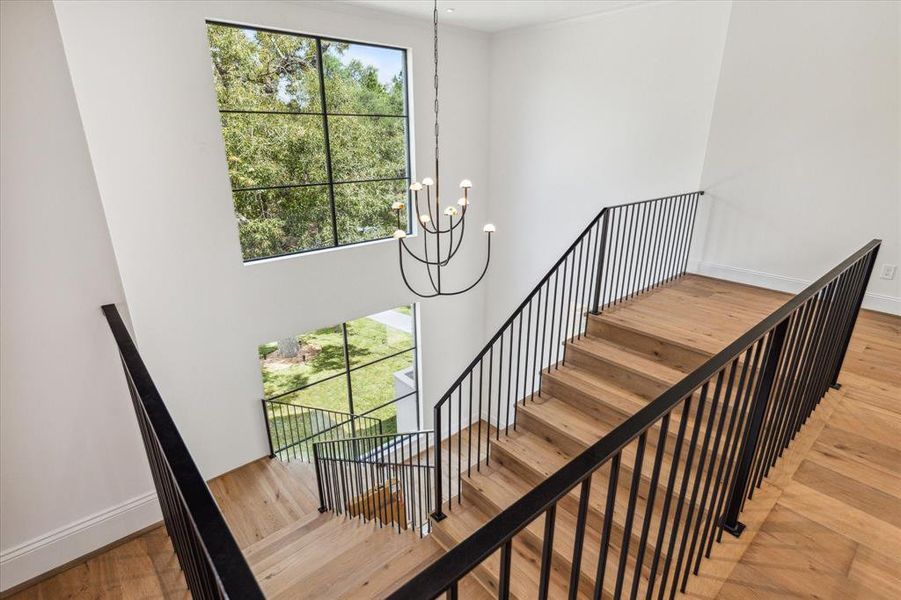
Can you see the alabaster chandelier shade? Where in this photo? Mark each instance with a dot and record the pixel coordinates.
(438, 227)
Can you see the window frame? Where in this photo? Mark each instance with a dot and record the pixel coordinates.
(324, 113)
(348, 370)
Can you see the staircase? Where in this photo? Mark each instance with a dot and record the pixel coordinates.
(625, 360)
(610, 431)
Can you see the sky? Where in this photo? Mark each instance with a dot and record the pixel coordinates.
(389, 62)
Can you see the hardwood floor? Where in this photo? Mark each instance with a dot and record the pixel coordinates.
(826, 524)
(835, 527)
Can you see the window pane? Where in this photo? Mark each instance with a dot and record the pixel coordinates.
(312, 357)
(258, 70)
(330, 394)
(267, 150)
(282, 221)
(367, 147)
(363, 79)
(364, 210)
(379, 335)
(383, 382)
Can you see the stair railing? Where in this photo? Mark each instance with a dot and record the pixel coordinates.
(624, 251)
(734, 416)
(294, 428)
(386, 478)
(213, 565)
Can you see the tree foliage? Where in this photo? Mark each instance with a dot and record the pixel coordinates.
(277, 158)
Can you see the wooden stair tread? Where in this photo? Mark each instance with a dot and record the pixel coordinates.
(694, 343)
(500, 487)
(567, 419)
(589, 384)
(525, 563)
(625, 358)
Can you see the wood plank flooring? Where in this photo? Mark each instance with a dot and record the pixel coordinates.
(835, 527)
(826, 524)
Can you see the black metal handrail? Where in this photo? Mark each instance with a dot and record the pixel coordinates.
(625, 250)
(785, 364)
(211, 560)
(384, 477)
(293, 428)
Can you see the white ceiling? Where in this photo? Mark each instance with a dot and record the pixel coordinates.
(496, 15)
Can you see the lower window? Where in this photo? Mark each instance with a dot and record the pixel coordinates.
(366, 368)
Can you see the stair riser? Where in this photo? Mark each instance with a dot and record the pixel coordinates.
(552, 385)
(482, 574)
(568, 444)
(679, 357)
(528, 536)
(641, 383)
(569, 503)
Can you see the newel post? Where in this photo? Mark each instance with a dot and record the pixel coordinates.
(752, 436)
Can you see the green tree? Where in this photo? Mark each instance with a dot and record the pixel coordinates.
(277, 158)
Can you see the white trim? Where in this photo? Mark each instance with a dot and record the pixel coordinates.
(70, 542)
(784, 283)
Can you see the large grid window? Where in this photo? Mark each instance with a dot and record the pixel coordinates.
(364, 367)
(316, 137)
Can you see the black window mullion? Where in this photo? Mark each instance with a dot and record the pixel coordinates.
(328, 150)
(350, 393)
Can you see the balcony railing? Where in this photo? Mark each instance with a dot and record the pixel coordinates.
(208, 554)
(735, 414)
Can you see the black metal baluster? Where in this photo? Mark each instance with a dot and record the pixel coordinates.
(702, 462)
(609, 506)
(469, 432)
(630, 515)
(774, 352)
(525, 370)
(600, 253)
(717, 438)
(581, 520)
(503, 589)
(439, 502)
(459, 443)
(516, 392)
(547, 552)
(479, 436)
(649, 510)
(671, 483)
(551, 347)
(845, 340)
(565, 322)
(686, 475)
(725, 458)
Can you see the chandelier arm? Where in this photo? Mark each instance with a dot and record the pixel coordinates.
(434, 262)
(417, 258)
(477, 281)
(423, 225)
(403, 274)
(459, 243)
(449, 229)
(450, 245)
(428, 264)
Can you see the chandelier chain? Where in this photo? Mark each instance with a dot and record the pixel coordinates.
(435, 27)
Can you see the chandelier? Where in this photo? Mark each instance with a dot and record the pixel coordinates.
(437, 236)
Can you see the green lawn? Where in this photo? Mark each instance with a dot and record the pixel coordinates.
(372, 385)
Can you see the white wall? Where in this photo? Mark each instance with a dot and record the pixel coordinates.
(142, 78)
(803, 159)
(593, 112)
(142, 75)
(72, 471)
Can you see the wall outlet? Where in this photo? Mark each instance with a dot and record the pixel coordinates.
(888, 271)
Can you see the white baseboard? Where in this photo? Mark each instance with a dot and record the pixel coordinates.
(70, 542)
(880, 302)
